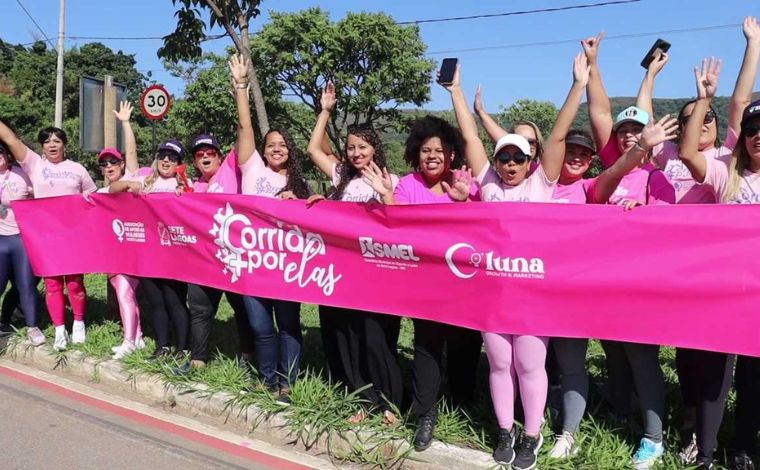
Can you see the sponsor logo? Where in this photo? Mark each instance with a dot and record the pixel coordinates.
(398, 256)
(465, 262)
(130, 231)
(245, 249)
(175, 235)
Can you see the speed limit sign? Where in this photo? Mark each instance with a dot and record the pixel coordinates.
(155, 102)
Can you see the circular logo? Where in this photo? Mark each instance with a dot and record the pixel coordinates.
(118, 228)
(472, 258)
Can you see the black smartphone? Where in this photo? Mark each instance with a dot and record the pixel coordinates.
(448, 69)
(660, 44)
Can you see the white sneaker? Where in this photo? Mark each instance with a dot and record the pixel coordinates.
(61, 338)
(35, 336)
(139, 343)
(126, 348)
(564, 447)
(78, 332)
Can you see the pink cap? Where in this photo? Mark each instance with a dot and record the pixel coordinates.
(110, 151)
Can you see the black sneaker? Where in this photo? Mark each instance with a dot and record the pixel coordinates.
(423, 435)
(526, 456)
(706, 464)
(741, 461)
(162, 353)
(504, 453)
(6, 329)
(283, 397)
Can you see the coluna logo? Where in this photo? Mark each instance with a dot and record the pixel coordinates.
(493, 265)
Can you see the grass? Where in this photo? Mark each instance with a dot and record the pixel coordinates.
(319, 411)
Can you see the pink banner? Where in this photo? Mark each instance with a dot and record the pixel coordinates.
(679, 275)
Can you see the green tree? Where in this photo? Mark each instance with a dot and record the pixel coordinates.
(376, 64)
(542, 113)
(234, 17)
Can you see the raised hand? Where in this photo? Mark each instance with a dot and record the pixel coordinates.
(591, 47)
(658, 63)
(751, 30)
(238, 68)
(707, 77)
(124, 112)
(454, 82)
(328, 99)
(581, 70)
(459, 190)
(379, 179)
(477, 105)
(658, 132)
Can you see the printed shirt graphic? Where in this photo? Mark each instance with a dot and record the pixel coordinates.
(534, 188)
(411, 189)
(687, 191)
(633, 187)
(259, 180)
(579, 192)
(14, 185)
(357, 190)
(56, 179)
(226, 180)
(717, 176)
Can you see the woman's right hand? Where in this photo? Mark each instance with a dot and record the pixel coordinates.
(378, 179)
(328, 99)
(591, 47)
(238, 68)
(477, 104)
(454, 81)
(707, 77)
(124, 112)
(655, 133)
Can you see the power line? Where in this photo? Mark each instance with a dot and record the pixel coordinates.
(522, 12)
(39, 28)
(136, 38)
(566, 41)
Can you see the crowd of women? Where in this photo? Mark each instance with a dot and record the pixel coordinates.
(646, 160)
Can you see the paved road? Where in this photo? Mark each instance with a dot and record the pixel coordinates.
(46, 426)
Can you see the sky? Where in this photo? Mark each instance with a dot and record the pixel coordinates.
(502, 53)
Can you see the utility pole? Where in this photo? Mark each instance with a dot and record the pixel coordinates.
(59, 72)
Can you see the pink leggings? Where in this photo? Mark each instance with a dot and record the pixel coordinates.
(56, 303)
(125, 287)
(525, 357)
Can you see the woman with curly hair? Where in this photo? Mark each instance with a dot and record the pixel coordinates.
(361, 347)
(277, 175)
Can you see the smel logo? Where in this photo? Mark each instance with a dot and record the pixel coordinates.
(465, 262)
(394, 256)
(244, 249)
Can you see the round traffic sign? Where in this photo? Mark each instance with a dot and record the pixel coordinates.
(155, 102)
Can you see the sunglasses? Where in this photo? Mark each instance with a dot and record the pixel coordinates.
(173, 157)
(108, 161)
(517, 157)
(207, 152)
(709, 117)
(750, 131)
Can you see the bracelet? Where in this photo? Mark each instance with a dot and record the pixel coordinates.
(241, 86)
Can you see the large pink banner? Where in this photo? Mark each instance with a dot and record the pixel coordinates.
(685, 276)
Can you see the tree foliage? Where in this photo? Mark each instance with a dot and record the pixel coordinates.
(542, 113)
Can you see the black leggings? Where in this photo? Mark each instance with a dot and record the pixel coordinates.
(705, 379)
(167, 300)
(341, 331)
(203, 303)
(747, 403)
(15, 267)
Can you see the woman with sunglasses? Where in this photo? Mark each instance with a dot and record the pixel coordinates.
(508, 180)
(361, 346)
(55, 175)
(277, 175)
(14, 262)
(735, 180)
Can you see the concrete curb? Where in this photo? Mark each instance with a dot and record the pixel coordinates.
(439, 455)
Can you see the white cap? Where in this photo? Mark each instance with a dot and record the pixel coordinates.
(513, 139)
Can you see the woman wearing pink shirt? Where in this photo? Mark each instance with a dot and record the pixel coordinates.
(55, 175)
(508, 180)
(14, 263)
(736, 180)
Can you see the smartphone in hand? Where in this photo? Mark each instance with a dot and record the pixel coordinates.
(448, 69)
(660, 44)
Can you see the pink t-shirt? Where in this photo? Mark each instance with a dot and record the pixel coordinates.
(666, 154)
(14, 185)
(717, 176)
(411, 189)
(226, 180)
(534, 188)
(357, 190)
(643, 181)
(56, 179)
(259, 179)
(161, 185)
(579, 192)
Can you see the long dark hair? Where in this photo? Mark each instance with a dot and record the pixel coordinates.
(296, 183)
(347, 171)
(431, 126)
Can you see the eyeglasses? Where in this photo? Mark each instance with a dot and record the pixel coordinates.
(709, 117)
(173, 157)
(518, 157)
(203, 153)
(750, 131)
(108, 161)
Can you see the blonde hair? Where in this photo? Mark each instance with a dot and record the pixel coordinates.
(151, 180)
(536, 130)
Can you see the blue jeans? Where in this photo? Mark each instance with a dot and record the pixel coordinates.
(278, 353)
